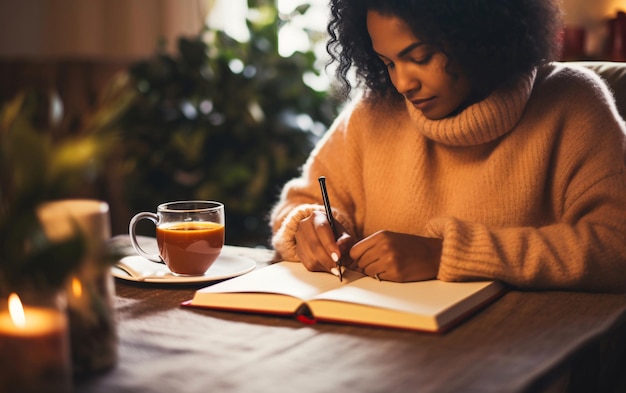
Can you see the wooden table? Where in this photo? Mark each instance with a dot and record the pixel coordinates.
(524, 342)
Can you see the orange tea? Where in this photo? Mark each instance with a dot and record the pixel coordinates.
(190, 248)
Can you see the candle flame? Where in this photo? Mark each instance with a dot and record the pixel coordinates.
(16, 311)
(77, 287)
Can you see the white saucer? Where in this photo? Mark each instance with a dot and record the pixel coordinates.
(226, 266)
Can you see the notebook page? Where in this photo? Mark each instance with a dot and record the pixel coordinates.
(424, 297)
(287, 278)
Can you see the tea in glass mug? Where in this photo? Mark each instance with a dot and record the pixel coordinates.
(190, 235)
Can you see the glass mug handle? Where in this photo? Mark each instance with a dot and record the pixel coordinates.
(133, 236)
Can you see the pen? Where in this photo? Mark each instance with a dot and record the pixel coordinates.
(329, 215)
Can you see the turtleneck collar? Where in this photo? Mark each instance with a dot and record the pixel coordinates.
(481, 122)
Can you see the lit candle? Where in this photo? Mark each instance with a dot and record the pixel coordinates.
(34, 349)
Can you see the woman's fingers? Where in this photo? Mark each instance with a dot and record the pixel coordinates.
(315, 244)
(398, 256)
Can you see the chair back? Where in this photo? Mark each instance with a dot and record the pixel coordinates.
(614, 73)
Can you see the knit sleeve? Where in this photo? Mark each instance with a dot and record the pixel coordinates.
(284, 241)
(333, 158)
(589, 254)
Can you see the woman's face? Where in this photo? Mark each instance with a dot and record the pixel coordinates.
(417, 70)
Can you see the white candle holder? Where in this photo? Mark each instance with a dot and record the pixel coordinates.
(91, 290)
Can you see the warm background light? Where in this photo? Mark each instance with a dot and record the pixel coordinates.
(77, 287)
(583, 12)
(592, 16)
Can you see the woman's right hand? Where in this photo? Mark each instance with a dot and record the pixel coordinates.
(316, 246)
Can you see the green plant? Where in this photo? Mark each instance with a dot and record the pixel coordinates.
(223, 120)
(34, 168)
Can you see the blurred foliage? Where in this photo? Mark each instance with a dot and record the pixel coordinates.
(223, 120)
(219, 120)
(34, 168)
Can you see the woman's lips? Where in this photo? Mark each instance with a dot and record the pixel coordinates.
(421, 103)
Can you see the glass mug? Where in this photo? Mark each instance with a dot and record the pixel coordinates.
(190, 235)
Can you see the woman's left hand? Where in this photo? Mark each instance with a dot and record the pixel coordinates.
(397, 256)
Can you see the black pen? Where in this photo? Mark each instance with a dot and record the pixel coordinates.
(331, 219)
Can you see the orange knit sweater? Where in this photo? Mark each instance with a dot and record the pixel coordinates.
(527, 186)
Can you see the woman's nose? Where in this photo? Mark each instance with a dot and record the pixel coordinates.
(404, 81)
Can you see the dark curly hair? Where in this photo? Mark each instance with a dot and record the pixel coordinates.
(494, 42)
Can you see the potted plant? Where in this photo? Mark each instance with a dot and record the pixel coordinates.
(222, 120)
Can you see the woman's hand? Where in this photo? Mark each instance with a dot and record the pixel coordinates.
(397, 256)
(316, 246)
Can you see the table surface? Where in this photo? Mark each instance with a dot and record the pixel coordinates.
(524, 342)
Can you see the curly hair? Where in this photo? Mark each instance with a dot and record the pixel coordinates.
(493, 42)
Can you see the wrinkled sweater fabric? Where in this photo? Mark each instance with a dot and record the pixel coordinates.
(527, 186)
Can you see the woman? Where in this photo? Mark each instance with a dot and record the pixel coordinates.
(468, 156)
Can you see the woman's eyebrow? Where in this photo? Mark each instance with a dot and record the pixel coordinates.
(404, 51)
(409, 49)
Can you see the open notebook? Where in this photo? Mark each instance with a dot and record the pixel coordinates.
(287, 288)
